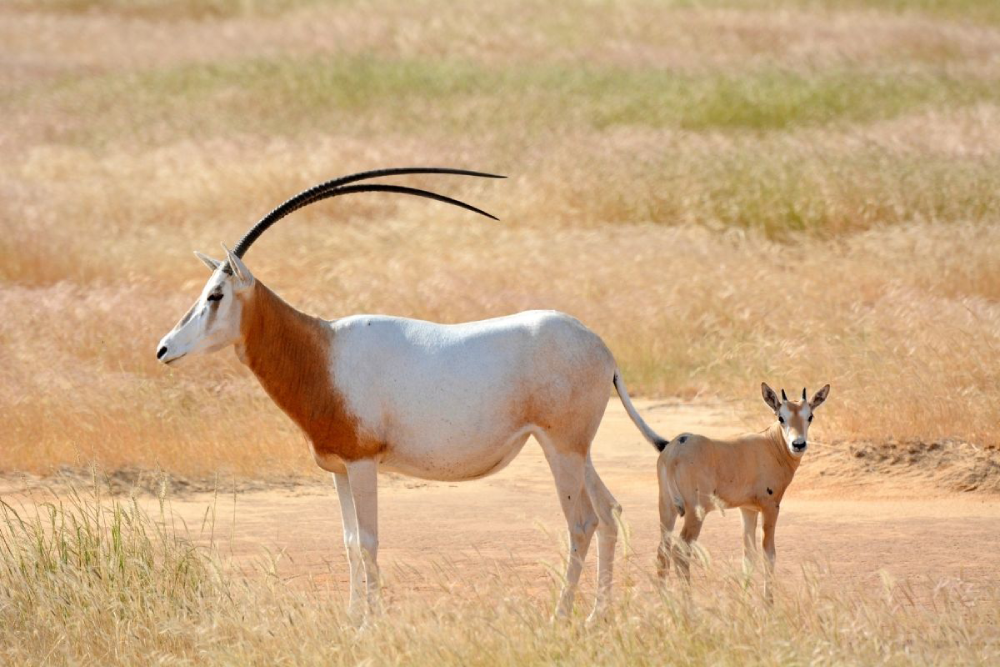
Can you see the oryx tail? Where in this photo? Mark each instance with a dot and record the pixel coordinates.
(651, 435)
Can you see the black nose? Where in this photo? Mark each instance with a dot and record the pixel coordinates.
(162, 351)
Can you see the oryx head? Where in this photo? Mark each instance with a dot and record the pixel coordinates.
(794, 417)
(213, 322)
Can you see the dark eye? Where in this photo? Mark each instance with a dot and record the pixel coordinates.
(810, 417)
(781, 419)
(215, 297)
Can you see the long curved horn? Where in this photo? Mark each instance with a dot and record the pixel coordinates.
(335, 187)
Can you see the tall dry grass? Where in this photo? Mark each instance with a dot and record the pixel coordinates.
(727, 192)
(92, 580)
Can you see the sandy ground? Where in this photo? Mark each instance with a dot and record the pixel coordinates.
(447, 536)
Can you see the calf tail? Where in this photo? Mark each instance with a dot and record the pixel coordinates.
(648, 433)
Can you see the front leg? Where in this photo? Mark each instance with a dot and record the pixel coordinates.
(749, 539)
(351, 542)
(363, 476)
(770, 520)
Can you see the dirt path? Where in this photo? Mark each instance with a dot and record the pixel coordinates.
(435, 535)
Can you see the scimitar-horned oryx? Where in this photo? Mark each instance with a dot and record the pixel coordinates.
(436, 401)
(698, 474)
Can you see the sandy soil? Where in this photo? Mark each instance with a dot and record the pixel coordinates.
(443, 536)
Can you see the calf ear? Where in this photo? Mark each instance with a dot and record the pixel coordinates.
(820, 396)
(770, 397)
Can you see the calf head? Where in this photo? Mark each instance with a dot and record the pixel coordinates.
(794, 417)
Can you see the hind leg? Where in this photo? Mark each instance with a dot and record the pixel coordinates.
(668, 517)
(693, 520)
(608, 514)
(581, 520)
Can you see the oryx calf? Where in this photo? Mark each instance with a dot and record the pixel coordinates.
(698, 474)
(437, 401)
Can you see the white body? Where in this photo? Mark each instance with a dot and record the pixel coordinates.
(445, 395)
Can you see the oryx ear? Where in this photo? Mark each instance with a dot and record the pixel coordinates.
(770, 397)
(209, 262)
(238, 268)
(820, 396)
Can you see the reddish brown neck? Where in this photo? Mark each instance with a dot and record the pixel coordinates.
(286, 349)
(291, 354)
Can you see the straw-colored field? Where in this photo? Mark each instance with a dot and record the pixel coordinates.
(797, 191)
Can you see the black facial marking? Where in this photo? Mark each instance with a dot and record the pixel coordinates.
(216, 296)
(769, 491)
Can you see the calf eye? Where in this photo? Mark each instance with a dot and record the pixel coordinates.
(810, 417)
(215, 297)
(781, 419)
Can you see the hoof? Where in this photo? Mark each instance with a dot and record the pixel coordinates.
(600, 616)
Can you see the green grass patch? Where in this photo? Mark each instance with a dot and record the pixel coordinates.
(287, 96)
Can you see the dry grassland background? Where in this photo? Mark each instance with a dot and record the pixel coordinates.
(728, 192)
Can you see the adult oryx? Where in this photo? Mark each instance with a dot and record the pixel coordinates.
(442, 402)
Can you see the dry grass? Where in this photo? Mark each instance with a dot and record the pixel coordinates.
(726, 193)
(802, 191)
(91, 580)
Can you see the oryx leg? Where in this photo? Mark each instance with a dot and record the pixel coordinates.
(668, 517)
(568, 471)
(770, 521)
(351, 542)
(694, 517)
(363, 477)
(749, 539)
(608, 513)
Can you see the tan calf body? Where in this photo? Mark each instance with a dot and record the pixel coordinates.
(752, 472)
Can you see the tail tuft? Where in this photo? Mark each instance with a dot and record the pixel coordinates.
(660, 444)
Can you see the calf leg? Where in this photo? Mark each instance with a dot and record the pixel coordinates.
(567, 471)
(749, 539)
(770, 521)
(668, 517)
(693, 520)
(351, 541)
(363, 477)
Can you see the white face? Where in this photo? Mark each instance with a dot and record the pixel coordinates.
(213, 322)
(794, 417)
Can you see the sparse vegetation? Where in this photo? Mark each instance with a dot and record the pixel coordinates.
(91, 579)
